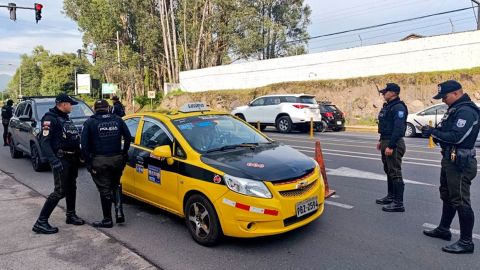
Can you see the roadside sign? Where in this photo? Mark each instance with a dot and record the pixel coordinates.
(151, 94)
(84, 83)
(109, 88)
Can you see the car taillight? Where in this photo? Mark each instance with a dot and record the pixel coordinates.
(343, 115)
(301, 106)
(329, 114)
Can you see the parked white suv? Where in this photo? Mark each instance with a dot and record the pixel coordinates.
(285, 112)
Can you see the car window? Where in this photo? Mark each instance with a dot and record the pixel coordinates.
(154, 135)
(20, 109)
(290, 99)
(273, 101)
(28, 111)
(80, 110)
(258, 102)
(441, 109)
(327, 108)
(132, 124)
(307, 100)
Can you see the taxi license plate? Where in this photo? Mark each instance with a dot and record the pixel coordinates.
(339, 122)
(307, 206)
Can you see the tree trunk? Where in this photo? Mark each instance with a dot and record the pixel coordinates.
(165, 46)
(196, 63)
(175, 52)
(185, 53)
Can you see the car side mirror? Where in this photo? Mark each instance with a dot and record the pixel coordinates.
(164, 151)
(24, 118)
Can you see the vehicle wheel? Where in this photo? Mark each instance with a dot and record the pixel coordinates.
(337, 129)
(37, 163)
(241, 116)
(322, 127)
(14, 153)
(202, 221)
(410, 131)
(284, 124)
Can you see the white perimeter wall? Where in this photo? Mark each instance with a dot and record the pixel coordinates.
(445, 52)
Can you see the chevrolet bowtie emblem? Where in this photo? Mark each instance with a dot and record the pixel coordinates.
(302, 184)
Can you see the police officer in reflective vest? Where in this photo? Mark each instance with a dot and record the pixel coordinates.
(117, 107)
(7, 113)
(391, 126)
(60, 142)
(457, 135)
(105, 159)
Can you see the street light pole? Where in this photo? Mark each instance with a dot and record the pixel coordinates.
(478, 16)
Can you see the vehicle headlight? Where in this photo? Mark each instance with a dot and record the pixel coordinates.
(316, 164)
(247, 187)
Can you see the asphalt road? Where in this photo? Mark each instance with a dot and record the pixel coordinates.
(353, 232)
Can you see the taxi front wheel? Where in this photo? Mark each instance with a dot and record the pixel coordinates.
(202, 221)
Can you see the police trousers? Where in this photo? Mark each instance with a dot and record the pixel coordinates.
(392, 165)
(108, 172)
(66, 179)
(5, 131)
(455, 182)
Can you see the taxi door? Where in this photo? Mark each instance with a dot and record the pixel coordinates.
(128, 181)
(155, 180)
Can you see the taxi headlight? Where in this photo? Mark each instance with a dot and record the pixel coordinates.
(247, 187)
(316, 164)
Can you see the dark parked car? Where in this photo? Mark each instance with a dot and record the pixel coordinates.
(332, 117)
(25, 127)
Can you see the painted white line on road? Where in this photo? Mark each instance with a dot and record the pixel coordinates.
(453, 231)
(346, 206)
(349, 172)
(334, 196)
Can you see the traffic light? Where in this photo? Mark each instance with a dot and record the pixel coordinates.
(94, 57)
(38, 12)
(13, 11)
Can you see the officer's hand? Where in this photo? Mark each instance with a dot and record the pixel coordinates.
(89, 168)
(388, 152)
(378, 146)
(427, 130)
(57, 165)
(125, 159)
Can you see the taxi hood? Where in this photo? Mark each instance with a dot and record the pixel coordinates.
(273, 162)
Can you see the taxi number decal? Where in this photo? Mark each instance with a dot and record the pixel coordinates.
(157, 158)
(185, 126)
(204, 124)
(139, 168)
(154, 174)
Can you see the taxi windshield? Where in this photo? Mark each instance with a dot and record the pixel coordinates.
(208, 133)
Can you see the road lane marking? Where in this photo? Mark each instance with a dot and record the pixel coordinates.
(346, 206)
(453, 231)
(353, 173)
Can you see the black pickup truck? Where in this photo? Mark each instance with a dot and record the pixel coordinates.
(25, 127)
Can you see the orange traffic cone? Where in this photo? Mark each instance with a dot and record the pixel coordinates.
(319, 159)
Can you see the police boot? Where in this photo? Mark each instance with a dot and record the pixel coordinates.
(106, 201)
(390, 196)
(72, 217)
(443, 230)
(465, 244)
(42, 226)
(397, 204)
(117, 192)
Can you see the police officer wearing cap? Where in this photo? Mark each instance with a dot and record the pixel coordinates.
(60, 142)
(105, 159)
(117, 107)
(391, 126)
(457, 135)
(7, 113)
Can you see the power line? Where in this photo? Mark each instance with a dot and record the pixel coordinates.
(42, 25)
(355, 7)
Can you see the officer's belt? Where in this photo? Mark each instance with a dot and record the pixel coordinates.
(62, 153)
(447, 151)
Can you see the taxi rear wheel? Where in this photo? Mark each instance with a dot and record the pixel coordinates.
(202, 221)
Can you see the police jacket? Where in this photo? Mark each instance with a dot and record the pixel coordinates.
(102, 135)
(459, 126)
(392, 121)
(118, 109)
(58, 133)
(7, 112)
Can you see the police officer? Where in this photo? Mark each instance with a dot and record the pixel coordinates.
(60, 142)
(117, 107)
(457, 135)
(7, 113)
(105, 159)
(391, 126)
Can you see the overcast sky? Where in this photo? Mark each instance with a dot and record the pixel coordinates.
(59, 34)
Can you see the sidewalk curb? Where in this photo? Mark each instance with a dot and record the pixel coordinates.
(362, 129)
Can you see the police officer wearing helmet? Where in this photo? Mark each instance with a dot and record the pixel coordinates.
(457, 135)
(117, 107)
(391, 126)
(7, 113)
(105, 159)
(60, 142)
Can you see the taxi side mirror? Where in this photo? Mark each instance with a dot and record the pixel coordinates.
(164, 151)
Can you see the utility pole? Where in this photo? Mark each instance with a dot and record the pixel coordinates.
(118, 52)
(75, 68)
(478, 14)
(453, 27)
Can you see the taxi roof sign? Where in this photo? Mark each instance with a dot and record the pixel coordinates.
(194, 107)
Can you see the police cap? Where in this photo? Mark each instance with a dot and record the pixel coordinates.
(65, 98)
(392, 87)
(100, 104)
(447, 87)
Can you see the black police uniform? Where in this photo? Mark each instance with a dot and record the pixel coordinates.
(7, 113)
(391, 126)
(102, 148)
(60, 142)
(457, 135)
(118, 109)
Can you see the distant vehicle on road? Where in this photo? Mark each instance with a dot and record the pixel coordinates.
(25, 127)
(332, 117)
(286, 112)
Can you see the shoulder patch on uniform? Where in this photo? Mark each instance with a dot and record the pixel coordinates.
(45, 132)
(461, 123)
(401, 114)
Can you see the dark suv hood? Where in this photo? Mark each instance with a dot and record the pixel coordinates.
(271, 163)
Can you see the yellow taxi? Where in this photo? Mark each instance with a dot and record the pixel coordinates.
(221, 174)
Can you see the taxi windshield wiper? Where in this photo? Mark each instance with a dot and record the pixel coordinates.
(232, 146)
